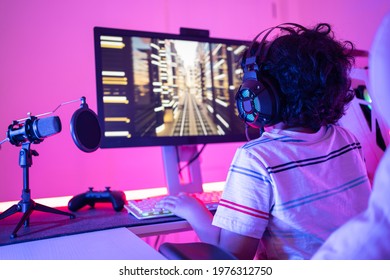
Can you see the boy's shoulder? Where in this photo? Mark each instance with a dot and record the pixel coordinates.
(275, 139)
(269, 139)
(345, 132)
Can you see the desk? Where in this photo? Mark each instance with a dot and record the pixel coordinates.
(101, 222)
(111, 244)
(90, 230)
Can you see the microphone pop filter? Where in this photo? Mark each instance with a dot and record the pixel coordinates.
(85, 129)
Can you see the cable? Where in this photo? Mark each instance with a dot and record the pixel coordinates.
(261, 130)
(190, 161)
(246, 132)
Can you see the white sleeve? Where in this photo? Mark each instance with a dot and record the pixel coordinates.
(247, 198)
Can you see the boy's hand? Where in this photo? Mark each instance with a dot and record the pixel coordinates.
(183, 205)
(195, 212)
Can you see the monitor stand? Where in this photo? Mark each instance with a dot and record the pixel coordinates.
(190, 180)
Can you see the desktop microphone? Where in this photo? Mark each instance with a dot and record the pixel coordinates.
(84, 127)
(33, 130)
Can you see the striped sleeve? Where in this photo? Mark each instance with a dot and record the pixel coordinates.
(247, 198)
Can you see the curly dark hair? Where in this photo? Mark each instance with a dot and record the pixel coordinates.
(312, 70)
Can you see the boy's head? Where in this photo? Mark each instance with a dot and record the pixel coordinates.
(310, 71)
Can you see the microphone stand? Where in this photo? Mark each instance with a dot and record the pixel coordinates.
(27, 205)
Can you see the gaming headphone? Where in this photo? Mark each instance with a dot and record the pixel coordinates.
(258, 99)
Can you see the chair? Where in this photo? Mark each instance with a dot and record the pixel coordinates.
(194, 251)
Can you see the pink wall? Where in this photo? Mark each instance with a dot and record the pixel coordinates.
(354, 20)
(47, 57)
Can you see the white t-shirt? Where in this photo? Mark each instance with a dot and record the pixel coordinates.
(292, 190)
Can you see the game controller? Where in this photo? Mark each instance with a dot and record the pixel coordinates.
(117, 198)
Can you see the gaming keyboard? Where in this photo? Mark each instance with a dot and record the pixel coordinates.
(145, 208)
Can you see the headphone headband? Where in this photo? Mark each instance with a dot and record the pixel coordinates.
(287, 26)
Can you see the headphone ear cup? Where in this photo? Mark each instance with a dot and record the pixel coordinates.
(258, 103)
(259, 99)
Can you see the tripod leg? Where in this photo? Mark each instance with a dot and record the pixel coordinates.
(44, 208)
(24, 220)
(10, 211)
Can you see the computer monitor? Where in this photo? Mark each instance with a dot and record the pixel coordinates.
(170, 90)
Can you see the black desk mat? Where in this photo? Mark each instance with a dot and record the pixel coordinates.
(47, 225)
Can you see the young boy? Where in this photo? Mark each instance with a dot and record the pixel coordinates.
(288, 190)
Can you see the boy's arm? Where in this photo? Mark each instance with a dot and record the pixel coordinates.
(243, 247)
(200, 219)
(196, 214)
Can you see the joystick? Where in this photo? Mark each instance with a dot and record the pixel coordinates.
(117, 198)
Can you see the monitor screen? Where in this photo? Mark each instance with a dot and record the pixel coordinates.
(156, 89)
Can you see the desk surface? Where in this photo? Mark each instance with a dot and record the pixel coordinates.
(102, 217)
(111, 244)
(49, 231)
(95, 233)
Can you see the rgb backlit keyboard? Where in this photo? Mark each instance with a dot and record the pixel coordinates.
(145, 208)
